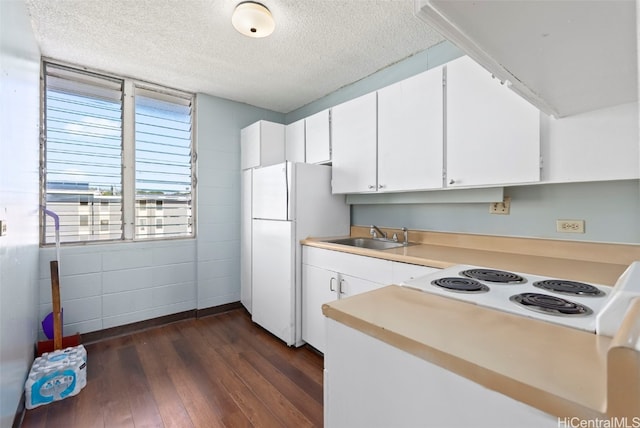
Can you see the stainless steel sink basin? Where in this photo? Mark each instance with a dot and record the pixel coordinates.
(374, 244)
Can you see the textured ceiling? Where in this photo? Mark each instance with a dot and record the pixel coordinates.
(318, 45)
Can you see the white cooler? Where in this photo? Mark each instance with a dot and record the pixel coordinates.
(55, 376)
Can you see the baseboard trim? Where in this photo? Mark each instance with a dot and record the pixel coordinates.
(214, 310)
(108, 333)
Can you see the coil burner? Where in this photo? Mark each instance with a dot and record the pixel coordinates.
(491, 275)
(569, 287)
(460, 285)
(550, 305)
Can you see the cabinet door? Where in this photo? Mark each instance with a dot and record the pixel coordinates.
(573, 149)
(354, 143)
(261, 144)
(493, 135)
(294, 142)
(410, 133)
(351, 285)
(318, 287)
(250, 146)
(318, 137)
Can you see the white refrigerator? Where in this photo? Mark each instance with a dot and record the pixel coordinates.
(290, 202)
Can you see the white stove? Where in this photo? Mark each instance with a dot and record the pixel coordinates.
(590, 307)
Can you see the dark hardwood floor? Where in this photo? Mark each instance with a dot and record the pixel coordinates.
(217, 371)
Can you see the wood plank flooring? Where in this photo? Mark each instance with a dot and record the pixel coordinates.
(217, 371)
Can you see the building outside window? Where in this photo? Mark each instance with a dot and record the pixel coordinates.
(115, 151)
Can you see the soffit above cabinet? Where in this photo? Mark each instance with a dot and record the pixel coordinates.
(565, 57)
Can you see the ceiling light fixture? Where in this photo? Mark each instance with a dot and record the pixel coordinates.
(253, 19)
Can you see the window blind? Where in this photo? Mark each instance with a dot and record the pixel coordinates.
(163, 166)
(117, 158)
(82, 154)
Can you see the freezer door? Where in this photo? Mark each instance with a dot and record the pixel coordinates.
(271, 192)
(273, 301)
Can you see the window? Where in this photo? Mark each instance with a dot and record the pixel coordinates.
(115, 151)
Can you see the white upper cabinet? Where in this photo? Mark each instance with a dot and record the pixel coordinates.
(354, 141)
(594, 146)
(492, 134)
(295, 142)
(410, 133)
(318, 138)
(261, 144)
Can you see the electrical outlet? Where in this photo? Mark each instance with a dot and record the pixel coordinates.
(503, 207)
(570, 226)
(3, 227)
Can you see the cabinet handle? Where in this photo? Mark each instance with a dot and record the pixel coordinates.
(371, 186)
(340, 287)
(381, 186)
(331, 284)
(452, 181)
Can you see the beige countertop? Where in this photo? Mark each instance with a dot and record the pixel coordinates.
(598, 263)
(562, 371)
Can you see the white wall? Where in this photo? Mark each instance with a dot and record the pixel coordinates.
(19, 105)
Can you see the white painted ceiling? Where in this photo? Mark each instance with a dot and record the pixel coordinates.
(318, 45)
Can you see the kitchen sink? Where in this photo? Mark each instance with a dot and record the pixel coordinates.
(374, 244)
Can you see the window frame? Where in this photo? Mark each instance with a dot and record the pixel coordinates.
(128, 161)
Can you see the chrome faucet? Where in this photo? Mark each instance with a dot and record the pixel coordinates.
(405, 232)
(373, 233)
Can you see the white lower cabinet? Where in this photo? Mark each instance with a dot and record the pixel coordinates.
(330, 275)
(318, 287)
(369, 383)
